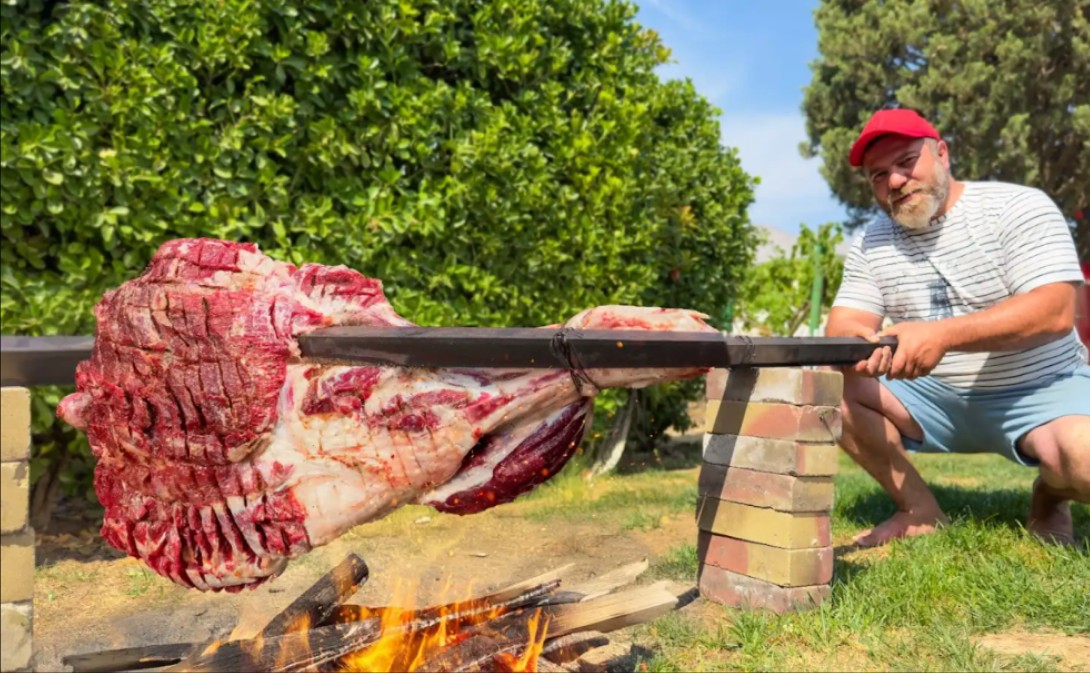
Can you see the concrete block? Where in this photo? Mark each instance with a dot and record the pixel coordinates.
(766, 526)
(735, 590)
(781, 492)
(14, 496)
(774, 421)
(14, 423)
(17, 566)
(792, 385)
(16, 636)
(783, 567)
(772, 455)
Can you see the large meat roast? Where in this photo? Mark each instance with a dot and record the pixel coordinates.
(222, 453)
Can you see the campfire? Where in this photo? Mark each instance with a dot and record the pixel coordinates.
(534, 625)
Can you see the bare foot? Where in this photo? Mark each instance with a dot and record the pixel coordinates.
(900, 525)
(1050, 516)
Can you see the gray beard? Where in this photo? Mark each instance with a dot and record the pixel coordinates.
(919, 215)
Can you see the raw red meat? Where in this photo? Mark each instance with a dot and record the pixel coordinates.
(222, 454)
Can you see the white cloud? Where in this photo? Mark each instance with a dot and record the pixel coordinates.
(677, 15)
(792, 190)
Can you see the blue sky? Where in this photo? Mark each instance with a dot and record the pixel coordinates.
(751, 60)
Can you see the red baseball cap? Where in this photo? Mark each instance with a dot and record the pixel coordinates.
(900, 121)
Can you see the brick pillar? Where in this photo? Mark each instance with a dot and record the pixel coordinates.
(16, 536)
(766, 487)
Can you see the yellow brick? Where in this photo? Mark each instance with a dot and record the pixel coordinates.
(767, 526)
(14, 496)
(16, 636)
(14, 423)
(17, 567)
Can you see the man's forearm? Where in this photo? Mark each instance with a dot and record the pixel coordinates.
(1023, 321)
(846, 322)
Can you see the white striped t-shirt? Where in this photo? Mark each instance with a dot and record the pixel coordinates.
(997, 241)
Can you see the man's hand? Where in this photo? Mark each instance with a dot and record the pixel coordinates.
(920, 348)
(879, 361)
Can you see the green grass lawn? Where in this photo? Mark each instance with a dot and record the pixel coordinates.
(917, 604)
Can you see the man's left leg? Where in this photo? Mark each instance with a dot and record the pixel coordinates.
(1062, 447)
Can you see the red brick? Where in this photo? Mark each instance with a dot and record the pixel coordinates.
(783, 567)
(781, 456)
(728, 588)
(793, 385)
(774, 421)
(763, 489)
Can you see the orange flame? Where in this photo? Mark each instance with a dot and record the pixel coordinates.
(401, 649)
(536, 643)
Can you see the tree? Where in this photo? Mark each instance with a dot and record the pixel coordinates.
(1006, 82)
(775, 297)
(501, 163)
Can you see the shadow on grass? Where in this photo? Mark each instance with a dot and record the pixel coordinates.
(844, 571)
(1006, 507)
(672, 455)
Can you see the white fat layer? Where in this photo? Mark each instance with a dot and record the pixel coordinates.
(348, 469)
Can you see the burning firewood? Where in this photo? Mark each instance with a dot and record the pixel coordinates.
(316, 604)
(531, 625)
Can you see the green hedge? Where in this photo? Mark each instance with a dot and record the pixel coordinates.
(502, 163)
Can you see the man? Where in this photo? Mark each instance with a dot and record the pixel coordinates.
(978, 280)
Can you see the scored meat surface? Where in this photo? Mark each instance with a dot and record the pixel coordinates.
(222, 454)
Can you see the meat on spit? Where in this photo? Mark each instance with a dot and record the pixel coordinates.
(222, 453)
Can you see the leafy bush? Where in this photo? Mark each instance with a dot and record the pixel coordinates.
(503, 163)
(775, 297)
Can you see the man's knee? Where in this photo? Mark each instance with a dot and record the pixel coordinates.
(864, 396)
(859, 398)
(1063, 449)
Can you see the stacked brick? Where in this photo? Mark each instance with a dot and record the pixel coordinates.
(766, 487)
(16, 536)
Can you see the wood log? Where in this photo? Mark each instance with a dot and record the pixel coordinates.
(130, 658)
(293, 651)
(314, 606)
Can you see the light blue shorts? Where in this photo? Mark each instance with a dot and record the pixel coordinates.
(958, 420)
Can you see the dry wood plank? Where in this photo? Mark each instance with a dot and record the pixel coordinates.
(603, 584)
(613, 611)
(314, 605)
(544, 578)
(130, 658)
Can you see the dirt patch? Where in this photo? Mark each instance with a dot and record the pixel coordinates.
(1072, 653)
(88, 599)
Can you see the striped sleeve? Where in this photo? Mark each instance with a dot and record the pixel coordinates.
(859, 289)
(1037, 243)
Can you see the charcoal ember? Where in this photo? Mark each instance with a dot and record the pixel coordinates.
(222, 453)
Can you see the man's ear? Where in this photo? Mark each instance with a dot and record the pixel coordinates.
(943, 152)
